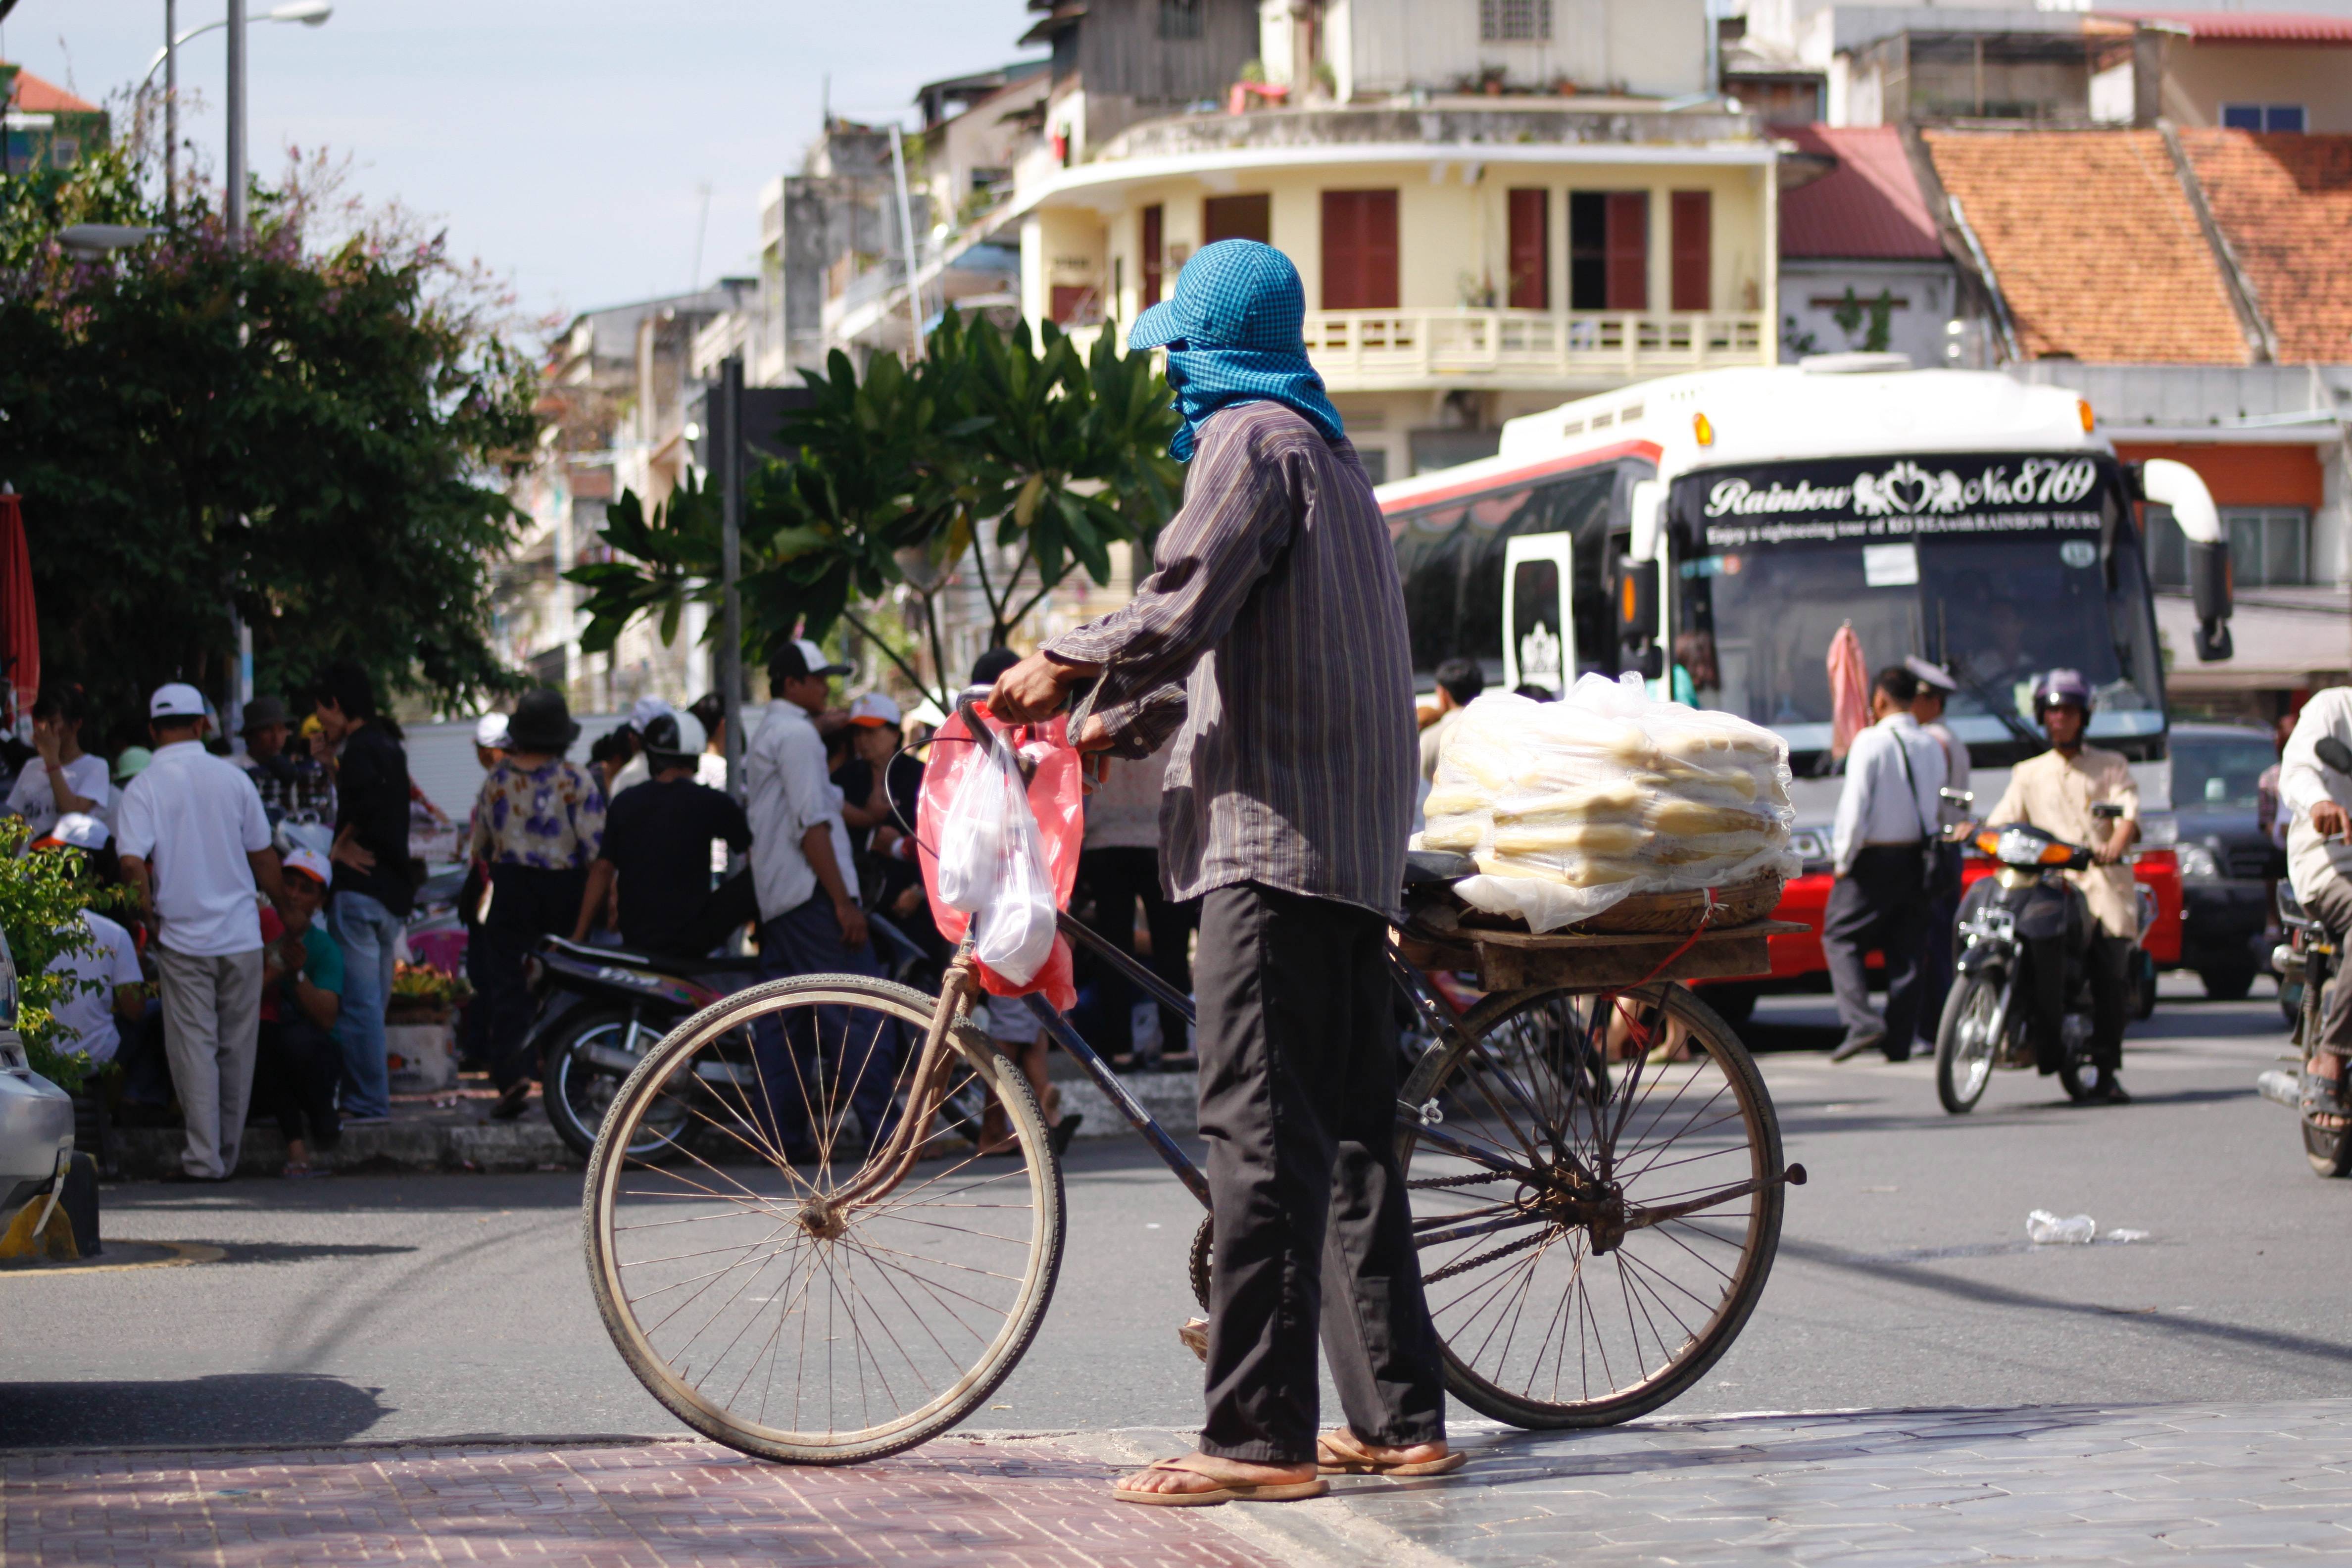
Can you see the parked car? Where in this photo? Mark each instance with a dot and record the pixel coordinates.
(37, 1117)
(2228, 863)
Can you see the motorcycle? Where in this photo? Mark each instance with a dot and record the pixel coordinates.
(2307, 964)
(2004, 919)
(602, 1009)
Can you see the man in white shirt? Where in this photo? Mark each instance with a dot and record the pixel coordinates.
(2319, 864)
(195, 845)
(101, 968)
(1885, 819)
(811, 921)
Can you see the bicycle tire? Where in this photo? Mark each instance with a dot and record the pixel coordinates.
(1479, 1379)
(674, 1382)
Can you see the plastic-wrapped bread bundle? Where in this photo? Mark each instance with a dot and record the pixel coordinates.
(1571, 806)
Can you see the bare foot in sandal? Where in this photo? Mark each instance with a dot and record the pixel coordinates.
(1342, 1453)
(1197, 1480)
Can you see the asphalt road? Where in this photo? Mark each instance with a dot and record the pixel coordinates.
(439, 1306)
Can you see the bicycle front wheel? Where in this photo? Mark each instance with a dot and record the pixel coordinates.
(753, 1287)
(1592, 1235)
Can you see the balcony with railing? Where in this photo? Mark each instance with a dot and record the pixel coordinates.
(1411, 349)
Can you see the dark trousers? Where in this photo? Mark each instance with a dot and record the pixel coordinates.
(2107, 960)
(1299, 1083)
(1936, 958)
(528, 903)
(1112, 881)
(1877, 905)
(294, 1078)
(823, 1052)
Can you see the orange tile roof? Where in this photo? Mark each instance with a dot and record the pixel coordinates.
(35, 96)
(2285, 205)
(2096, 246)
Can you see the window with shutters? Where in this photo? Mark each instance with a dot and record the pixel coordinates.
(1237, 217)
(1694, 255)
(1514, 21)
(1359, 250)
(1608, 250)
(1155, 251)
(1179, 18)
(1530, 249)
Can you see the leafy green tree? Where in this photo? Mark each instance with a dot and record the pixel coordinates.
(41, 899)
(315, 437)
(1052, 456)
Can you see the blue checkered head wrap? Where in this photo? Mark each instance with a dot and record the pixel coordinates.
(1233, 331)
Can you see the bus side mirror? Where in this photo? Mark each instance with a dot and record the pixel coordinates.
(1646, 512)
(2178, 486)
(1637, 602)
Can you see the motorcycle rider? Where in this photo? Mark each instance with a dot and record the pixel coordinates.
(656, 847)
(2319, 865)
(2054, 791)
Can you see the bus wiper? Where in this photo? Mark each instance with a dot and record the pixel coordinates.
(1983, 695)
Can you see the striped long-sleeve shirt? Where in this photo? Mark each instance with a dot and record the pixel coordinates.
(1271, 637)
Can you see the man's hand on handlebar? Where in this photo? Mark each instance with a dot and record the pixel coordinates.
(2329, 820)
(1034, 690)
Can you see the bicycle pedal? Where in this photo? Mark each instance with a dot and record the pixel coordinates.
(1194, 1336)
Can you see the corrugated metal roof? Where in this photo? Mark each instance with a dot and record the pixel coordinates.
(1868, 208)
(2249, 26)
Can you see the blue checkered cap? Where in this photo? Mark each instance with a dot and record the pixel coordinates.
(1233, 294)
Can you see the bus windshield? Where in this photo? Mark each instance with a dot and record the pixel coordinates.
(1996, 567)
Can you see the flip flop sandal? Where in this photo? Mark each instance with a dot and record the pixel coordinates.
(1223, 1491)
(2325, 1097)
(1331, 1460)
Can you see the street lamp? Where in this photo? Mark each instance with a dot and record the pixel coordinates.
(98, 238)
(310, 12)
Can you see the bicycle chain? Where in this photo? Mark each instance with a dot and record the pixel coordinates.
(1505, 1250)
(1474, 1179)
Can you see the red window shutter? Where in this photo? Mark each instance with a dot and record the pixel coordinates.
(1530, 217)
(1694, 242)
(1629, 251)
(1154, 252)
(1074, 304)
(1359, 250)
(1237, 217)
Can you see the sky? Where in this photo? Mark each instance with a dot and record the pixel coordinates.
(565, 142)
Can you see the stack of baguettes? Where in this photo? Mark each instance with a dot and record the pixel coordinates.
(1605, 795)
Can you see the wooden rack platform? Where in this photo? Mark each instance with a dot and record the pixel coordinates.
(1522, 960)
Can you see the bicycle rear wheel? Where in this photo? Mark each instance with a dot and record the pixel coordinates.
(754, 1291)
(1591, 1240)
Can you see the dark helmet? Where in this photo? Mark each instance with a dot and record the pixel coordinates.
(2059, 686)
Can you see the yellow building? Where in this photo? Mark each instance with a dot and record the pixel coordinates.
(1467, 258)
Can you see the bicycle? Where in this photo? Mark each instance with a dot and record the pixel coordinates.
(825, 1296)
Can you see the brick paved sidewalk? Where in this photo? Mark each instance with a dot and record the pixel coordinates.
(1018, 1504)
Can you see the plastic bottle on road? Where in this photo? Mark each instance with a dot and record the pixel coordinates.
(2046, 1229)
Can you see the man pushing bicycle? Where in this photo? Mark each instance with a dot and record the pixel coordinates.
(1270, 642)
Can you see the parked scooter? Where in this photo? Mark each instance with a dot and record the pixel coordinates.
(602, 1009)
(2010, 922)
(2306, 963)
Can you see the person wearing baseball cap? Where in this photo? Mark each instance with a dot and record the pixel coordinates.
(811, 921)
(629, 740)
(195, 846)
(880, 786)
(655, 852)
(489, 740)
(303, 974)
(105, 985)
(1937, 959)
(2056, 793)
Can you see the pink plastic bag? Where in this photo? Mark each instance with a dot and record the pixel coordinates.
(1056, 795)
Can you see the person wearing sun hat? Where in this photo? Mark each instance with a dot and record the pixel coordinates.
(1270, 641)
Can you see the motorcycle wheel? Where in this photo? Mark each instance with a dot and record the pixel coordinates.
(587, 1062)
(2329, 1152)
(1968, 1043)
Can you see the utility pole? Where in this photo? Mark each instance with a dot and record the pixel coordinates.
(170, 112)
(907, 248)
(236, 214)
(729, 440)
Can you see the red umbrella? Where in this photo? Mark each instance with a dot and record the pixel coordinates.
(1849, 688)
(20, 631)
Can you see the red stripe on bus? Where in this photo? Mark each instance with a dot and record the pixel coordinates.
(1596, 456)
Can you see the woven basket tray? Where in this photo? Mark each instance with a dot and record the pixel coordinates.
(1673, 913)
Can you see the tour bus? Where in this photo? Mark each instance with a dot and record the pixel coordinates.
(1714, 530)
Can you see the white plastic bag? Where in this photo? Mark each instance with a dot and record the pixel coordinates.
(992, 866)
(1570, 807)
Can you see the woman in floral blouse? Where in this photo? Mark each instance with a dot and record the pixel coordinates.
(537, 824)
